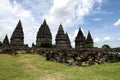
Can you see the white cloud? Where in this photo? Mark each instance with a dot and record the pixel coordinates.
(97, 40)
(71, 12)
(107, 39)
(72, 37)
(10, 16)
(117, 23)
(37, 7)
(118, 39)
(97, 19)
(114, 42)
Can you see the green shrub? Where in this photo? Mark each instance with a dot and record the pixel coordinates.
(1, 44)
(105, 46)
(46, 44)
(88, 46)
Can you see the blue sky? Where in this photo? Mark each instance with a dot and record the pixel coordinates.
(101, 17)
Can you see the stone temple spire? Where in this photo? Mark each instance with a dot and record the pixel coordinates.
(68, 41)
(6, 40)
(60, 33)
(17, 37)
(44, 34)
(89, 40)
(62, 39)
(80, 40)
(80, 35)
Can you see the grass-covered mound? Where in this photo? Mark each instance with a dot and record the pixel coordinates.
(35, 67)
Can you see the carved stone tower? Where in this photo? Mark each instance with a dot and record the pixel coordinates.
(6, 41)
(62, 39)
(89, 41)
(68, 41)
(44, 35)
(80, 40)
(17, 38)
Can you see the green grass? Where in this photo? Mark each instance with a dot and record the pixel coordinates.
(35, 67)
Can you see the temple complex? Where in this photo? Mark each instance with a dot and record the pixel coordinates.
(44, 38)
(83, 54)
(43, 35)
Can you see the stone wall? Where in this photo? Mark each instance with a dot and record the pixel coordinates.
(81, 57)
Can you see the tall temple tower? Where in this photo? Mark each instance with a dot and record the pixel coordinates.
(17, 38)
(44, 35)
(62, 39)
(6, 40)
(80, 40)
(89, 41)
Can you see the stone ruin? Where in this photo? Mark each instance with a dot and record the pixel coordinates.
(62, 39)
(83, 54)
(16, 41)
(43, 35)
(81, 57)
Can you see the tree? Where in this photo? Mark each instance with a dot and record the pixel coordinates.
(88, 46)
(1, 44)
(105, 46)
(46, 44)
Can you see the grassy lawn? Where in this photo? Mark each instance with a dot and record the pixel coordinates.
(35, 67)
